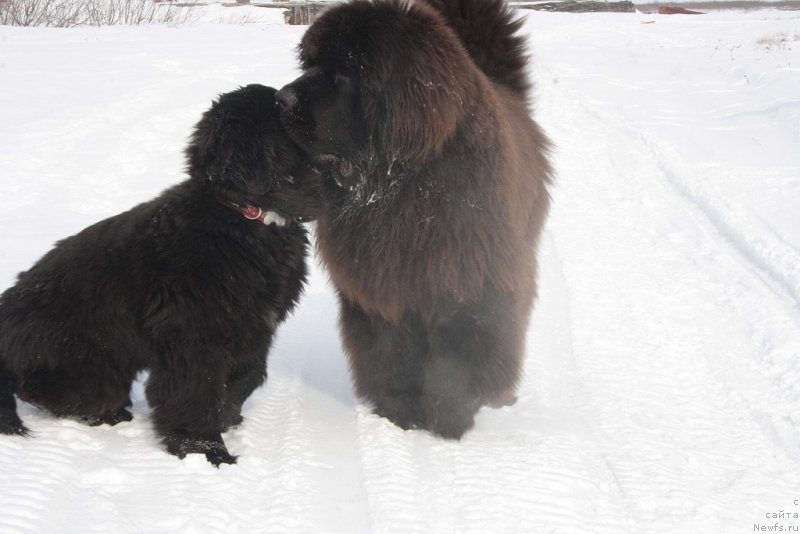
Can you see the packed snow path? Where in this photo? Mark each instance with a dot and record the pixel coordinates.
(662, 389)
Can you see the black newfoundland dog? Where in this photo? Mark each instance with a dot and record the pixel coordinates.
(435, 197)
(191, 286)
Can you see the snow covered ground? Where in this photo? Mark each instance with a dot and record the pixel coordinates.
(662, 389)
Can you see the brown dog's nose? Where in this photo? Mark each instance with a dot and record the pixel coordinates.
(286, 98)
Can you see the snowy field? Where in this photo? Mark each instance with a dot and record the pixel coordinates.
(662, 389)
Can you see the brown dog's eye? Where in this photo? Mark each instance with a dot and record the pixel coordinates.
(345, 168)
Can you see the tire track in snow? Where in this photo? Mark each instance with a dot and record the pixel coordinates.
(768, 263)
(393, 483)
(66, 464)
(537, 466)
(328, 409)
(554, 362)
(670, 376)
(26, 497)
(754, 241)
(269, 489)
(278, 438)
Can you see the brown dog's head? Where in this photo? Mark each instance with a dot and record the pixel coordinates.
(241, 149)
(384, 83)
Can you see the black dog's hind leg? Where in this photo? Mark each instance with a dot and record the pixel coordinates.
(95, 392)
(10, 423)
(385, 360)
(119, 416)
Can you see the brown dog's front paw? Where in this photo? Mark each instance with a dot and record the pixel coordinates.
(450, 417)
(509, 400)
(402, 410)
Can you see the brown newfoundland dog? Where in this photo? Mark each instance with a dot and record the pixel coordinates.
(417, 114)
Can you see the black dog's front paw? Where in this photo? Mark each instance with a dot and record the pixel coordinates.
(180, 444)
(220, 456)
(232, 421)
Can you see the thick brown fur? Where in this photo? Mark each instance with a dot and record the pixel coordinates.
(435, 192)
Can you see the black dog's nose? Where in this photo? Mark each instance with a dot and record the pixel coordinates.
(286, 97)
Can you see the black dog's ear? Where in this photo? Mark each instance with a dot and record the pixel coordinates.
(209, 131)
(202, 156)
(223, 150)
(209, 150)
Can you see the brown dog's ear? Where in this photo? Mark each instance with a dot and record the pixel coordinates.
(424, 114)
(425, 86)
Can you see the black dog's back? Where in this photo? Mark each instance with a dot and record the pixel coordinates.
(66, 327)
(184, 285)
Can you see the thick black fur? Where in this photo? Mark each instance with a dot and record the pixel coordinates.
(182, 285)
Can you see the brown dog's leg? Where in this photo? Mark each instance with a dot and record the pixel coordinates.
(386, 362)
(475, 359)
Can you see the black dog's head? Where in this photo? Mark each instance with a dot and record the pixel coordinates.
(240, 149)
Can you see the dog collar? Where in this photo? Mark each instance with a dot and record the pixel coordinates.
(254, 213)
